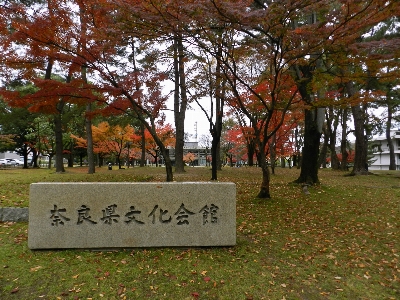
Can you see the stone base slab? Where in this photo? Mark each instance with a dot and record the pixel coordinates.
(14, 214)
(125, 215)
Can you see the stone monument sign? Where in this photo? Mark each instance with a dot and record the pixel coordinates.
(126, 215)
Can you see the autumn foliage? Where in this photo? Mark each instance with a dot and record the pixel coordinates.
(272, 57)
(124, 142)
(167, 136)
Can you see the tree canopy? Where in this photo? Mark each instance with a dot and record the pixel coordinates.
(267, 62)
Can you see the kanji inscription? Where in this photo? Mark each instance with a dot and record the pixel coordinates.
(58, 216)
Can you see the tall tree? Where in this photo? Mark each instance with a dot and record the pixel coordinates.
(392, 104)
(180, 100)
(211, 83)
(332, 121)
(42, 135)
(167, 135)
(344, 141)
(109, 140)
(384, 75)
(307, 33)
(15, 123)
(103, 57)
(88, 117)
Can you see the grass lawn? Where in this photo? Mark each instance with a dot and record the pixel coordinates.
(339, 242)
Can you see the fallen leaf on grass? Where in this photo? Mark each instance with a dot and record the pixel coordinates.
(121, 291)
(35, 269)
(15, 290)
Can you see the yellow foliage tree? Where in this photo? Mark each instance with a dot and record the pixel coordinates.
(108, 140)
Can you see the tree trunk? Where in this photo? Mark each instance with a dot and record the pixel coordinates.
(50, 161)
(70, 155)
(88, 121)
(168, 162)
(168, 168)
(59, 138)
(324, 149)
(313, 119)
(143, 146)
(89, 133)
(310, 152)
(296, 148)
(100, 160)
(216, 129)
(283, 162)
(57, 121)
(34, 162)
(180, 103)
(230, 158)
(264, 189)
(343, 143)
(250, 153)
(392, 159)
(218, 155)
(331, 132)
(272, 152)
(360, 155)
(335, 165)
(119, 162)
(214, 152)
(89, 139)
(25, 154)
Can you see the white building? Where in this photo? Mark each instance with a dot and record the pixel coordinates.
(380, 148)
(9, 154)
(200, 152)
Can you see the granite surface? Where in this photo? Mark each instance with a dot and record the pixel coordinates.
(14, 214)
